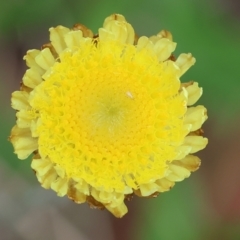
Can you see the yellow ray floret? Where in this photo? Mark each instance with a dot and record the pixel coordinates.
(107, 116)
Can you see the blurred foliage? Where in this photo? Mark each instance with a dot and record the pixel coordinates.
(197, 27)
(171, 217)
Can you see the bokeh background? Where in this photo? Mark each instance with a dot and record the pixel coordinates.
(205, 206)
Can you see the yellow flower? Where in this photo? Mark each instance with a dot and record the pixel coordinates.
(106, 115)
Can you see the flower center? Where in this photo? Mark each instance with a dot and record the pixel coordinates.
(108, 113)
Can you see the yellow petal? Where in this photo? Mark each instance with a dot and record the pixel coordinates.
(177, 173)
(164, 184)
(118, 199)
(164, 48)
(184, 62)
(60, 185)
(23, 142)
(45, 59)
(31, 62)
(20, 100)
(194, 93)
(47, 179)
(118, 211)
(116, 17)
(41, 165)
(117, 30)
(33, 127)
(24, 118)
(145, 43)
(190, 162)
(163, 34)
(82, 186)
(57, 35)
(74, 194)
(73, 39)
(195, 116)
(60, 171)
(32, 78)
(102, 196)
(183, 151)
(196, 143)
(148, 189)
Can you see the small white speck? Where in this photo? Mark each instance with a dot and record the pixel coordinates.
(129, 94)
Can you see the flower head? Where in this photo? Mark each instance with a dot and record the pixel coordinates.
(106, 115)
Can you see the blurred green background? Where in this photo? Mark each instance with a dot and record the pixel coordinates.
(206, 206)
